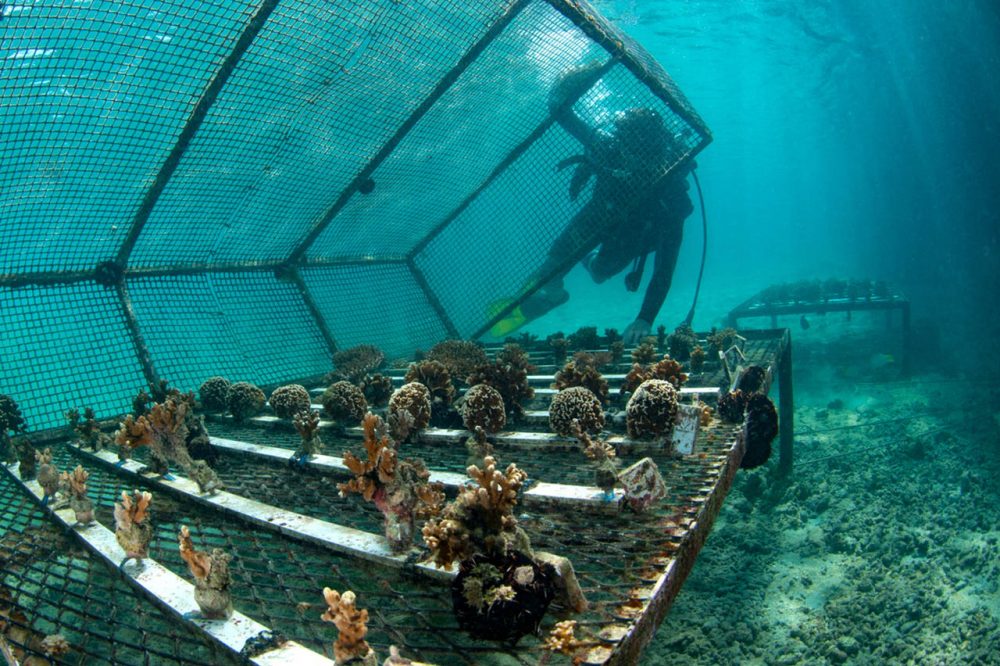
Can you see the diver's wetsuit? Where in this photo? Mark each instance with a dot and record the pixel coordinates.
(634, 218)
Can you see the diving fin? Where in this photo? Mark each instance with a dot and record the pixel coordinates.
(512, 321)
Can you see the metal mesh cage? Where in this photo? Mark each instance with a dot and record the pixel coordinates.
(240, 188)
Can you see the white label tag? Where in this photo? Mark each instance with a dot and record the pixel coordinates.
(686, 429)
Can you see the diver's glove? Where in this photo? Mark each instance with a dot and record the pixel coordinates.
(636, 331)
(572, 83)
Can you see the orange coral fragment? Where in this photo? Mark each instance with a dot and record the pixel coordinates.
(351, 623)
(198, 563)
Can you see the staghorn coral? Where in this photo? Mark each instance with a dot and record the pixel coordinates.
(583, 371)
(409, 410)
(307, 425)
(140, 403)
(732, 406)
(661, 338)
(214, 393)
(244, 400)
(435, 376)
(670, 370)
(508, 374)
(344, 400)
(75, 486)
(697, 361)
(211, 577)
(682, 342)
(48, 475)
(644, 354)
(603, 456)
(132, 529)
(762, 428)
(652, 410)
(575, 404)
(355, 363)
(461, 357)
(398, 488)
(165, 431)
(88, 431)
(377, 389)
(289, 400)
(480, 519)
(352, 626)
(483, 407)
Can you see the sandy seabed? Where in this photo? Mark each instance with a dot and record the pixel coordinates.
(881, 547)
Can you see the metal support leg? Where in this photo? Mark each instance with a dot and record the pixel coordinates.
(786, 409)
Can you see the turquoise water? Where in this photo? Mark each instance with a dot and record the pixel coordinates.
(851, 139)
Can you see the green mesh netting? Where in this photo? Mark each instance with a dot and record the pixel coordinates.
(239, 188)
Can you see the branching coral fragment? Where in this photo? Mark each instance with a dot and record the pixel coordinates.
(211, 574)
(132, 530)
(351, 623)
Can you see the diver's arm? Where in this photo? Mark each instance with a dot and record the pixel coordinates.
(571, 84)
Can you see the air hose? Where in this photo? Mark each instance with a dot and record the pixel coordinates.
(704, 249)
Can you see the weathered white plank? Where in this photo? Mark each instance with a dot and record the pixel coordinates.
(555, 493)
(174, 593)
(340, 538)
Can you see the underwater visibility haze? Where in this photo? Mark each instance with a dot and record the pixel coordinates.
(344, 238)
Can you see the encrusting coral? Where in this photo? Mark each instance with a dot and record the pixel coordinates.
(74, 484)
(652, 410)
(355, 363)
(244, 400)
(483, 407)
(666, 368)
(88, 431)
(352, 627)
(436, 377)
(575, 404)
(409, 410)
(720, 341)
(398, 488)
(211, 577)
(289, 400)
(344, 401)
(307, 425)
(508, 374)
(214, 393)
(132, 528)
(562, 639)
(461, 357)
(165, 430)
(583, 371)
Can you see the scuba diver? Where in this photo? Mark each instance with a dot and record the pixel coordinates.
(632, 210)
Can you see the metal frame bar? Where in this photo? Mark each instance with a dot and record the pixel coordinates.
(621, 47)
(439, 90)
(138, 341)
(296, 278)
(435, 302)
(198, 115)
(786, 407)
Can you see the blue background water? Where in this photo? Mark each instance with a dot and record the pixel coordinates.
(852, 138)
